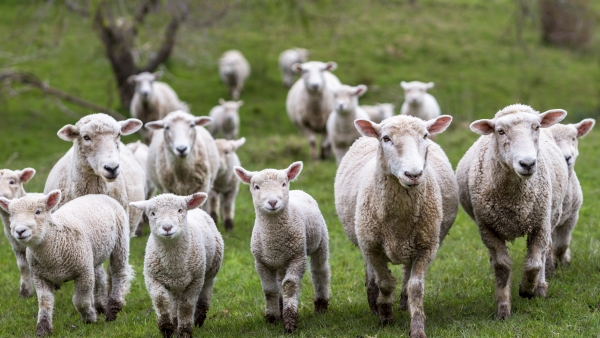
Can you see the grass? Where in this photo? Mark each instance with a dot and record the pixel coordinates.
(468, 47)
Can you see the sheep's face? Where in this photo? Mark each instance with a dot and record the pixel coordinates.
(312, 74)
(386, 110)
(97, 139)
(227, 156)
(345, 98)
(11, 182)
(144, 83)
(230, 111)
(270, 188)
(179, 130)
(566, 137)
(414, 92)
(228, 66)
(403, 145)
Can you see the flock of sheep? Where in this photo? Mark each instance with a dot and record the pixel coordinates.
(396, 196)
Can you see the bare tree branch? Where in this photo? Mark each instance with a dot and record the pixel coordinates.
(143, 10)
(167, 46)
(77, 8)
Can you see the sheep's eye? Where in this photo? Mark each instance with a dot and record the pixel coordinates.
(152, 214)
(537, 128)
(256, 187)
(38, 211)
(226, 152)
(573, 139)
(11, 182)
(501, 132)
(192, 125)
(87, 138)
(283, 185)
(166, 127)
(386, 139)
(180, 211)
(425, 136)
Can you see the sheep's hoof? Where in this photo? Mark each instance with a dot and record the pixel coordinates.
(290, 320)
(524, 293)
(167, 329)
(321, 305)
(386, 315)
(418, 334)
(200, 315)
(271, 318)
(372, 294)
(26, 291)
(184, 332)
(417, 326)
(229, 225)
(541, 290)
(43, 328)
(100, 309)
(503, 311)
(113, 308)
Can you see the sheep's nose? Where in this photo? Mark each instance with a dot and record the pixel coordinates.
(145, 94)
(568, 158)
(111, 167)
(414, 175)
(181, 149)
(167, 228)
(314, 86)
(20, 232)
(527, 164)
(273, 203)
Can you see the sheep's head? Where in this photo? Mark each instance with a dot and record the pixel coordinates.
(144, 83)
(30, 216)
(403, 144)
(414, 92)
(566, 137)
(515, 132)
(11, 182)
(270, 188)
(386, 110)
(167, 213)
(345, 98)
(227, 150)
(97, 139)
(312, 73)
(230, 110)
(179, 130)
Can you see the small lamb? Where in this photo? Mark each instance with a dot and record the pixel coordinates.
(71, 243)
(183, 256)
(234, 70)
(417, 102)
(380, 111)
(288, 227)
(226, 119)
(287, 58)
(140, 153)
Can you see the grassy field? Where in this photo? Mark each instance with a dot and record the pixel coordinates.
(469, 48)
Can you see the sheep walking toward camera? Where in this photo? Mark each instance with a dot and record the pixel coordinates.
(287, 59)
(234, 70)
(226, 119)
(396, 196)
(379, 112)
(512, 182)
(289, 226)
(71, 243)
(417, 102)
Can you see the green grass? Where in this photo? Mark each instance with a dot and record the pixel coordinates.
(468, 47)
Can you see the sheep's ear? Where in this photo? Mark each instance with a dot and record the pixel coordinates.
(367, 128)
(130, 126)
(584, 127)
(221, 101)
(131, 79)
(551, 117)
(360, 90)
(483, 127)
(330, 66)
(429, 85)
(155, 125)
(403, 84)
(439, 124)
(238, 143)
(195, 200)
(68, 132)
(158, 75)
(139, 205)
(240, 103)
(297, 68)
(52, 199)
(293, 170)
(202, 120)
(4, 203)
(26, 174)
(243, 174)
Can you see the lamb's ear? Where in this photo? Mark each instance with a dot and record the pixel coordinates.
(130, 126)
(158, 75)
(429, 85)
(243, 174)
(297, 68)
(584, 127)
(131, 79)
(4, 203)
(367, 128)
(202, 120)
(221, 101)
(53, 198)
(238, 143)
(360, 90)
(551, 117)
(195, 200)
(439, 124)
(483, 127)
(26, 174)
(68, 132)
(403, 84)
(293, 170)
(139, 205)
(155, 125)
(330, 66)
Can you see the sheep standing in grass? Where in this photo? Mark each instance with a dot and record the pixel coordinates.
(183, 256)
(417, 102)
(140, 153)
(288, 227)
(380, 111)
(11, 187)
(310, 101)
(226, 186)
(397, 197)
(71, 244)
(287, 59)
(226, 119)
(512, 182)
(98, 163)
(340, 124)
(234, 70)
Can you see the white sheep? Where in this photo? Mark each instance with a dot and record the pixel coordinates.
(140, 153)
(98, 163)
(417, 102)
(234, 70)
(288, 227)
(310, 101)
(340, 124)
(512, 182)
(287, 59)
(152, 100)
(183, 256)
(226, 185)
(226, 119)
(380, 111)
(71, 243)
(11, 187)
(397, 197)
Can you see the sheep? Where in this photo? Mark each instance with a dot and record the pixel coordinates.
(183, 256)
(152, 100)
(140, 153)
(226, 185)
(288, 227)
(340, 124)
(234, 70)
(512, 182)
(226, 120)
(11, 187)
(397, 197)
(72, 243)
(380, 111)
(98, 163)
(286, 59)
(310, 101)
(417, 102)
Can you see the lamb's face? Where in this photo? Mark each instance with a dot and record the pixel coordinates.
(179, 131)
(230, 110)
(345, 98)
(414, 92)
(566, 137)
(144, 83)
(386, 110)
(226, 149)
(11, 182)
(312, 74)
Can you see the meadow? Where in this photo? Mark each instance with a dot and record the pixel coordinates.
(469, 48)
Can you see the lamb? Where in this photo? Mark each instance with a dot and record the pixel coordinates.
(71, 243)
(11, 187)
(140, 153)
(417, 102)
(98, 163)
(380, 111)
(340, 124)
(226, 185)
(310, 101)
(512, 182)
(183, 256)
(287, 58)
(152, 100)
(288, 227)
(397, 197)
(226, 120)
(234, 70)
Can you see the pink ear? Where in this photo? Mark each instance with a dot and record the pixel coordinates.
(330, 66)
(367, 128)
(195, 200)
(202, 120)
(243, 174)
(158, 75)
(360, 90)
(294, 170)
(131, 79)
(439, 124)
(26, 174)
(297, 68)
(483, 127)
(53, 198)
(130, 126)
(68, 132)
(155, 125)
(550, 117)
(4, 203)
(584, 127)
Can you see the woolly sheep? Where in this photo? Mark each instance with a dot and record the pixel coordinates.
(310, 101)
(397, 197)
(234, 70)
(340, 124)
(139, 151)
(11, 187)
(512, 182)
(287, 59)
(98, 163)
(226, 119)
(183, 256)
(226, 186)
(288, 227)
(71, 244)
(380, 111)
(417, 102)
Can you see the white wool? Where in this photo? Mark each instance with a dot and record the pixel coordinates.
(234, 70)
(417, 102)
(287, 59)
(226, 119)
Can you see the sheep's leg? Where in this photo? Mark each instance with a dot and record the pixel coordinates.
(44, 290)
(121, 274)
(268, 280)
(162, 306)
(100, 291)
(83, 297)
(186, 305)
(235, 93)
(416, 290)
(213, 202)
(319, 271)
(312, 141)
(325, 147)
(533, 282)
(290, 288)
(26, 283)
(386, 284)
(404, 294)
(339, 153)
(228, 208)
(502, 265)
(203, 302)
(561, 240)
(280, 276)
(372, 288)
